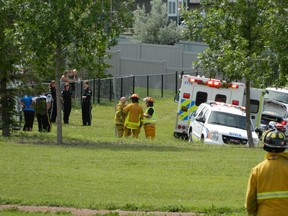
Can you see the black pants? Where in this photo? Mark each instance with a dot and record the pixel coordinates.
(43, 122)
(86, 113)
(29, 119)
(66, 111)
(53, 111)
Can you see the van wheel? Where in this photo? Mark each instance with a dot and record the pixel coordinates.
(190, 139)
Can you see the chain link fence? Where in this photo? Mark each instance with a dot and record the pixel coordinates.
(111, 89)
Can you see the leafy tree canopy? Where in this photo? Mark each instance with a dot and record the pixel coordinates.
(155, 27)
(246, 39)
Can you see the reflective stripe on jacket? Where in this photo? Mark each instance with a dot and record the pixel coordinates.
(134, 116)
(149, 120)
(119, 115)
(267, 190)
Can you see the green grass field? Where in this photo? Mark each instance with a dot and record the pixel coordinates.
(93, 169)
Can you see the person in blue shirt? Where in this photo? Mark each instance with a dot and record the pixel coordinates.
(29, 112)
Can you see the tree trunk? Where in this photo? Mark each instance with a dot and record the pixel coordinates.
(248, 120)
(4, 109)
(58, 94)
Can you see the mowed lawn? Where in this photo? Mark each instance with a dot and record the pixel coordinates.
(93, 169)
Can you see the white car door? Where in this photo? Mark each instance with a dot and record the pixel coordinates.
(197, 125)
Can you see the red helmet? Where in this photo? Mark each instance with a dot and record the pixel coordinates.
(149, 99)
(134, 96)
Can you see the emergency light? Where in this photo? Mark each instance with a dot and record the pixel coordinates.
(199, 81)
(234, 86)
(214, 83)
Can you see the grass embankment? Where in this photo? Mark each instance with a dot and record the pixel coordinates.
(93, 169)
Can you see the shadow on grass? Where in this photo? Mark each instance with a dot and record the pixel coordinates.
(119, 145)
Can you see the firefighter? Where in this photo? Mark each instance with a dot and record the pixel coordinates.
(134, 117)
(149, 119)
(86, 104)
(120, 117)
(267, 190)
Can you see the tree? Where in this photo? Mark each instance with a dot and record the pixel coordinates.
(240, 35)
(9, 59)
(155, 27)
(52, 32)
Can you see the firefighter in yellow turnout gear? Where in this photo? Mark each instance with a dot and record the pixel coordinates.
(267, 190)
(134, 117)
(120, 117)
(149, 120)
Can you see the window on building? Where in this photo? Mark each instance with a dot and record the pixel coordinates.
(172, 8)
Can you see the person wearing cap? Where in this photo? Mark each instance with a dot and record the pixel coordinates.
(66, 98)
(86, 104)
(267, 190)
(149, 119)
(120, 117)
(134, 117)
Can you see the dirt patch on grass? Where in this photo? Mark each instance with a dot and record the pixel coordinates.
(89, 212)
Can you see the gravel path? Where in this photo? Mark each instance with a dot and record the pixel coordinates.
(89, 212)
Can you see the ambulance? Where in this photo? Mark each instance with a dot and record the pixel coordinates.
(196, 90)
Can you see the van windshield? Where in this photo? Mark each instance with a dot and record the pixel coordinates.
(227, 119)
(278, 96)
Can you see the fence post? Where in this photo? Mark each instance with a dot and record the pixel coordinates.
(147, 86)
(99, 82)
(81, 92)
(176, 83)
(133, 84)
(111, 89)
(121, 83)
(94, 83)
(162, 85)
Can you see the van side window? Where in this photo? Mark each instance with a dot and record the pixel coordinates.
(254, 106)
(206, 115)
(201, 97)
(202, 111)
(220, 98)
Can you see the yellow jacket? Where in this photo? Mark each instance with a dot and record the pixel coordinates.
(119, 115)
(134, 115)
(267, 191)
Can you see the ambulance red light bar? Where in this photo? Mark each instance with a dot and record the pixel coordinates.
(234, 86)
(235, 102)
(195, 80)
(214, 83)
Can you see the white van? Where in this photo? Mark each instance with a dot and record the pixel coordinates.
(220, 123)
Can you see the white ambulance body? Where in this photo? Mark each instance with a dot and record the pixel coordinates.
(196, 90)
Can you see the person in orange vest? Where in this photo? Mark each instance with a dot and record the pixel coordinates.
(120, 117)
(134, 117)
(267, 190)
(149, 120)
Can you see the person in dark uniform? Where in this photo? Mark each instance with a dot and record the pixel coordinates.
(66, 95)
(86, 104)
(53, 109)
(42, 105)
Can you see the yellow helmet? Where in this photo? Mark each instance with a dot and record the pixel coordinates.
(149, 99)
(134, 96)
